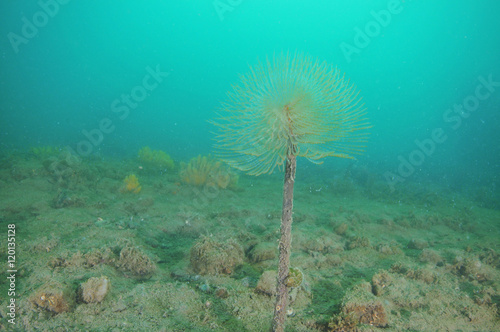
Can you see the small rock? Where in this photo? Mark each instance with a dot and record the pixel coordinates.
(267, 283)
(222, 293)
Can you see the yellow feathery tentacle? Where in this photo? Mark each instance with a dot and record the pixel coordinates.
(290, 101)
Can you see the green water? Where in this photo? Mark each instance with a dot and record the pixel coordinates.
(84, 85)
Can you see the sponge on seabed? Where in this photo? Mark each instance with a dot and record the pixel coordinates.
(95, 289)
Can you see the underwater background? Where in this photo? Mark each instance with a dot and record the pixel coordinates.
(101, 81)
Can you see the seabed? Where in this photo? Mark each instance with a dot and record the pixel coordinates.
(178, 257)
